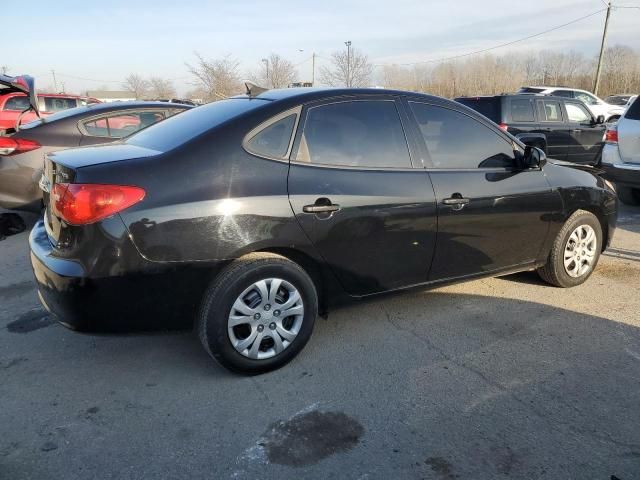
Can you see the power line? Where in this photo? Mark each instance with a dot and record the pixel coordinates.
(440, 60)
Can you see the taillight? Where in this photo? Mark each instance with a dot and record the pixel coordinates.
(504, 127)
(11, 146)
(81, 204)
(611, 135)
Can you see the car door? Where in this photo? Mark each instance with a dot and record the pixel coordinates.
(492, 215)
(555, 127)
(356, 194)
(586, 134)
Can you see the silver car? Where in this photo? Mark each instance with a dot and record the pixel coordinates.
(621, 154)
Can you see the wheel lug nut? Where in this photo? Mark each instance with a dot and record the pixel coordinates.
(272, 325)
(260, 328)
(276, 313)
(267, 307)
(256, 316)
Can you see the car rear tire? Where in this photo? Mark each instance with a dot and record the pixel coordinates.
(629, 195)
(258, 313)
(575, 251)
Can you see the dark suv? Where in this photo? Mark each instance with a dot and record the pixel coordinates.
(564, 128)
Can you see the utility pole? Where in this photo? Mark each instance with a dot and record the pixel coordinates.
(55, 84)
(596, 82)
(313, 69)
(266, 62)
(348, 44)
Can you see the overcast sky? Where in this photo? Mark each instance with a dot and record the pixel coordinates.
(107, 40)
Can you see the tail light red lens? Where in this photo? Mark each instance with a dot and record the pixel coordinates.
(504, 127)
(11, 146)
(81, 204)
(611, 135)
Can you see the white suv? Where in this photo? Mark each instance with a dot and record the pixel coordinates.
(621, 155)
(597, 106)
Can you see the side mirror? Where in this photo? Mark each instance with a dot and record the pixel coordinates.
(600, 120)
(534, 157)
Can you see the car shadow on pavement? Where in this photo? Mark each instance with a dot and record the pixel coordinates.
(487, 386)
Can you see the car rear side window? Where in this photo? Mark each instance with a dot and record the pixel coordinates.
(634, 110)
(577, 113)
(179, 129)
(273, 140)
(549, 111)
(456, 140)
(487, 106)
(121, 124)
(17, 103)
(358, 133)
(55, 104)
(522, 110)
(563, 93)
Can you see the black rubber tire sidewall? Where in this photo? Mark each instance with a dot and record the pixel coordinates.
(217, 305)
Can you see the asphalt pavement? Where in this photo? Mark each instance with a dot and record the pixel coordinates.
(491, 379)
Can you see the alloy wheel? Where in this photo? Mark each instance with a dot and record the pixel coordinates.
(580, 251)
(265, 318)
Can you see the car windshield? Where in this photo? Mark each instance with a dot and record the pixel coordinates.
(53, 117)
(179, 129)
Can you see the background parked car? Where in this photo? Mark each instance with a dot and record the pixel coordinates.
(563, 128)
(21, 152)
(621, 155)
(596, 105)
(621, 100)
(13, 104)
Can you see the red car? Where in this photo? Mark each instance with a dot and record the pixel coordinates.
(15, 101)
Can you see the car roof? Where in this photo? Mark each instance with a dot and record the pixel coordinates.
(518, 95)
(304, 94)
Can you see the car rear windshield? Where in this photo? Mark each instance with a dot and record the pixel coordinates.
(634, 110)
(530, 90)
(487, 106)
(179, 129)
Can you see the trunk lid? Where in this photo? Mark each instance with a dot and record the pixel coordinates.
(21, 84)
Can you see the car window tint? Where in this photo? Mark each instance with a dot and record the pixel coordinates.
(577, 113)
(355, 134)
(487, 106)
(563, 93)
(550, 111)
(522, 110)
(17, 103)
(179, 129)
(586, 98)
(455, 140)
(634, 110)
(55, 104)
(273, 141)
(120, 125)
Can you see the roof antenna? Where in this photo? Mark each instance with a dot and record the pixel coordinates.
(253, 90)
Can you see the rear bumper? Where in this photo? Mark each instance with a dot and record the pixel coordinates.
(617, 170)
(159, 297)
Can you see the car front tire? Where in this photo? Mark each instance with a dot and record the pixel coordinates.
(575, 251)
(258, 313)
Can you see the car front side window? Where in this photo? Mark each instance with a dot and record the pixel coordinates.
(358, 133)
(455, 140)
(586, 98)
(577, 113)
(20, 103)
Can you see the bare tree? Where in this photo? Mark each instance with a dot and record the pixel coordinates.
(217, 78)
(161, 88)
(353, 70)
(136, 84)
(275, 72)
(4, 69)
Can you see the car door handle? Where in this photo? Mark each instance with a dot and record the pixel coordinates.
(322, 205)
(456, 201)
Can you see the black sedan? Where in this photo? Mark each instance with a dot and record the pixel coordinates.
(251, 216)
(21, 151)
